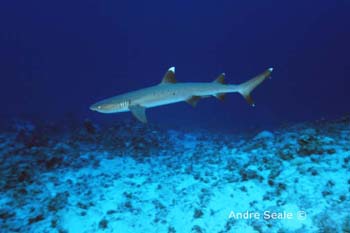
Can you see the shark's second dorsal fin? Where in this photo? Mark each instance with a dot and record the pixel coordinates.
(220, 79)
(169, 76)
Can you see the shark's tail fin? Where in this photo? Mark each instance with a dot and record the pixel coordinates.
(247, 87)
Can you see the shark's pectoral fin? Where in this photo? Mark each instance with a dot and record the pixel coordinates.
(193, 100)
(220, 96)
(139, 112)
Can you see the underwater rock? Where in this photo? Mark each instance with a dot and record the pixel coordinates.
(171, 229)
(62, 148)
(103, 224)
(310, 144)
(53, 162)
(346, 225)
(54, 223)
(58, 202)
(32, 138)
(24, 176)
(126, 137)
(17, 178)
(6, 214)
(325, 223)
(249, 174)
(35, 136)
(313, 171)
(197, 229)
(35, 219)
(232, 164)
(258, 226)
(42, 134)
(80, 136)
(191, 173)
(197, 213)
(89, 126)
(18, 125)
(280, 188)
(288, 152)
(275, 169)
(110, 212)
(328, 189)
(343, 120)
(229, 224)
(264, 135)
(82, 205)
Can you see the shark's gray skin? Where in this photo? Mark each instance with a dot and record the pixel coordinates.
(169, 91)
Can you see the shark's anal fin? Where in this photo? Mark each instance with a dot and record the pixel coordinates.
(139, 112)
(169, 76)
(193, 100)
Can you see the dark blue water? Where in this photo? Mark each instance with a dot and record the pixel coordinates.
(64, 168)
(58, 58)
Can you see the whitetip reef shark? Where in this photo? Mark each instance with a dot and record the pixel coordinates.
(168, 91)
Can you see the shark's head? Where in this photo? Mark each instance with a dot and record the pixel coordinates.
(110, 106)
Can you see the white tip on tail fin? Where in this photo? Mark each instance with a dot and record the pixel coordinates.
(246, 88)
(172, 69)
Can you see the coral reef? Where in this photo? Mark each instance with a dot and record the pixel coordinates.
(131, 177)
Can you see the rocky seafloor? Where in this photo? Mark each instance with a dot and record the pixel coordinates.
(132, 178)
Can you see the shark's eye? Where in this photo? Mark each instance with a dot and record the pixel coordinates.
(99, 107)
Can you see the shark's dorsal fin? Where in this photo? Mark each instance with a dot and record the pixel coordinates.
(169, 76)
(220, 79)
(139, 112)
(193, 100)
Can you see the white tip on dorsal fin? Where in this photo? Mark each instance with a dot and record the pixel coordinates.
(169, 76)
(220, 79)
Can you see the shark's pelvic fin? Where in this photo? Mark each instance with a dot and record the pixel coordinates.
(220, 96)
(169, 76)
(139, 112)
(193, 100)
(247, 87)
(220, 79)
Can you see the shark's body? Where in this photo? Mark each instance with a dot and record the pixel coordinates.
(168, 92)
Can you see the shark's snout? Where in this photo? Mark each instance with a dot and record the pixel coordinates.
(95, 107)
(103, 107)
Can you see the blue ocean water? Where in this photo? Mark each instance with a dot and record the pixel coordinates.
(222, 166)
